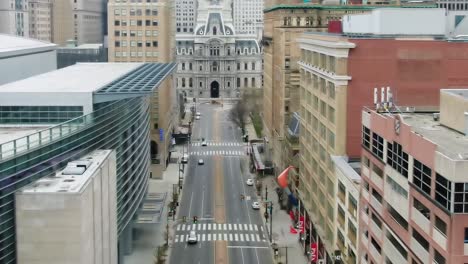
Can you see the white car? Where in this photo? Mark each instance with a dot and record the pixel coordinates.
(201, 162)
(204, 144)
(249, 182)
(198, 114)
(255, 205)
(184, 158)
(197, 117)
(192, 239)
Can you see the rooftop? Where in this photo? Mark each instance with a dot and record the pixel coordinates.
(449, 142)
(81, 77)
(72, 179)
(341, 7)
(13, 45)
(9, 133)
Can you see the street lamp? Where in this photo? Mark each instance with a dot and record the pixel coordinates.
(269, 204)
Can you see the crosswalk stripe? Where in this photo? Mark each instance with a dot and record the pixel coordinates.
(229, 226)
(247, 237)
(258, 237)
(188, 228)
(203, 237)
(240, 227)
(183, 227)
(209, 226)
(198, 237)
(235, 237)
(204, 226)
(209, 237)
(261, 227)
(214, 226)
(235, 226)
(178, 227)
(214, 237)
(253, 237)
(255, 227)
(199, 226)
(177, 238)
(230, 237)
(250, 227)
(224, 226)
(186, 238)
(194, 226)
(246, 227)
(182, 238)
(241, 236)
(225, 237)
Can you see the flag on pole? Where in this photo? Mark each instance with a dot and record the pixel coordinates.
(283, 177)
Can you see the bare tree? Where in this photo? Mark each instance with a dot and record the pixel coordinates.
(238, 114)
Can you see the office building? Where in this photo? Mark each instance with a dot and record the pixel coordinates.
(140, 32)
(70, 216)
(81, 21)
(40, 19)
(51, 119)
(16, 52)
(414, 182)
(248, 17)
(186, 16)
(214, 62)
(14, 17)
(283, 25)
(338, 75)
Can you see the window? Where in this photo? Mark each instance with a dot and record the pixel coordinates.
(440, 225)
(238, 82)
(377, 195)
(466, 235)
(460, 204)
(377, 145)
(421, 208)
(331, 114)
(421, 240)
(366, 137)
(245, 66)
(378, 171)
(155, 43)
(398, 159)
(238, 66)
(323, 108)
(443, 191)
(397, 217)
(253, 65)
(117, 43)
(116, 23)
(438, 258)
(376, 245)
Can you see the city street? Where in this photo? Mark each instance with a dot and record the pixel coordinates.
(228, 229)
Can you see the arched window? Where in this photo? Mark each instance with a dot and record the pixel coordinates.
(183, 82)
(190, 82)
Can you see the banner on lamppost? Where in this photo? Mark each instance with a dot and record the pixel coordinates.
(301, 224)
(313, 252)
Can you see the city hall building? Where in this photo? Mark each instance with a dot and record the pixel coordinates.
(214, 61)
(48, 120)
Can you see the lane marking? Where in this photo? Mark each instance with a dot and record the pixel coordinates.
(253, 247)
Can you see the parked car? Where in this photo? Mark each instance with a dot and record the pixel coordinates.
(204, 143)
(250, 182)
(201, 162)
(184, 158)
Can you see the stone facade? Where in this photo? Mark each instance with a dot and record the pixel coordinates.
(214, 61)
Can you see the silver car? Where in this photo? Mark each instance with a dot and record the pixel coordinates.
(192, 239)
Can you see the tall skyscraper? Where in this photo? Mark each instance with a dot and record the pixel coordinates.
(248, 16)
(14, 17)
(186, 14)
(214, 61)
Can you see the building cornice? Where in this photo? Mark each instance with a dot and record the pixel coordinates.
(338, 49)
(330, 76)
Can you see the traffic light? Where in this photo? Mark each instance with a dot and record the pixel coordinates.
(184, 219)
(195, 219)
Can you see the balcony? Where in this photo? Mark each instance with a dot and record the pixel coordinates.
(376, 230)
(376, 205)
(420, 220)
(392, 253)
(419, 251)
(441, 239)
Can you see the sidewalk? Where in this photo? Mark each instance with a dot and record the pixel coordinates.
(148, 237)
(281, 220)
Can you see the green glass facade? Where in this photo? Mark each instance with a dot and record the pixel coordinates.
(38, 114)
(121, 125)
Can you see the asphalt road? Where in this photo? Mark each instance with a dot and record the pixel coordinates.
(229, 230)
